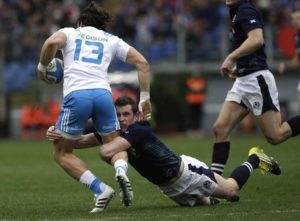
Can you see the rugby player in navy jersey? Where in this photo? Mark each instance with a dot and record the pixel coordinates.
(254, 89)
(184, 179)
(295, 62)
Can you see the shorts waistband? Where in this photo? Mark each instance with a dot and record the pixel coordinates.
(176, 177)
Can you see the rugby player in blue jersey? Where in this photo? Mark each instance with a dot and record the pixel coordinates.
(254, 89)
(88, 51)
(184, 179)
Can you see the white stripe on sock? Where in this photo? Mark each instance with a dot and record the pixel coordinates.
(249, 166)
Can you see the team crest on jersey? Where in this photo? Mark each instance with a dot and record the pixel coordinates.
(207, 184)
(256, 105)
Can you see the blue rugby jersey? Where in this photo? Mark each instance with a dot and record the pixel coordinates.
(244, 18)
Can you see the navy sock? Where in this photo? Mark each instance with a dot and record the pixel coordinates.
(242, 173)
(254, 161)
(220, 156)
(295, 125)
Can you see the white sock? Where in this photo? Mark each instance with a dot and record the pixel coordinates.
(87, 178)
(121, 166)
(92, 182)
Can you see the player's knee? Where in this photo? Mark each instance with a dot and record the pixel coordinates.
(232, 192)
(232, 188)
(274, 140)
(59, 156)
(220, 131)
(105, 155)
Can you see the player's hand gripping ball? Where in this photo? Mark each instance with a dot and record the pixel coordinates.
(55, 71)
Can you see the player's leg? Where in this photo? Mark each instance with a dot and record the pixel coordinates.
(63, 154)
(228, 188)
(230, 115)
(194, 186)
(267, 114)
(120, 163)
(273, 129)
(107, 125)
(71, 123)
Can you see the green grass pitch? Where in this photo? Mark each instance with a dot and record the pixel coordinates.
(33, 187)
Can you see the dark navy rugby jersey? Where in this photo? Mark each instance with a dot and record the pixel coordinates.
(149, 156)
(244, 18)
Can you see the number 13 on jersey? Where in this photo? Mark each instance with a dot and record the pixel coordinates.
(94, 48)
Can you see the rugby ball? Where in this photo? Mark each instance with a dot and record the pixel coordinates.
(55, 70)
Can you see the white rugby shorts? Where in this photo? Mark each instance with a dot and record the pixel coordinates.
(257, 91)
(196, 181)
(298, 88)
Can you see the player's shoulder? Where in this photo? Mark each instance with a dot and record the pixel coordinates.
(139, 127)
(246, 7)
(248, 12)
(67, 29)
(111, 37)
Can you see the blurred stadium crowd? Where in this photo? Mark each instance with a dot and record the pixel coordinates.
(160, 29)
(153, 26)
(165, 31)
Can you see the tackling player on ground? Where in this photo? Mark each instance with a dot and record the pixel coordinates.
(184, 179)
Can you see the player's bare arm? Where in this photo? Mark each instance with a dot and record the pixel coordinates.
(108, 150)
(254, 41)
(115, 146)
(140, 63)
(289, 65)
(48, 51)
(87, 141)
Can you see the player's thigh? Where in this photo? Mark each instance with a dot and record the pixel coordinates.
(230, 114)
(196, 181)
(106, 138)
(75, 111)
(104, 113)
(63, 145)
(271, 125)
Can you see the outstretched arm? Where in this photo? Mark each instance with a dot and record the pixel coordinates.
(107, 151)
(140, 63)
(115, 146)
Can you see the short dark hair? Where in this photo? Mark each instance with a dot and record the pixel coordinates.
(95, 16)
(125, 100)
